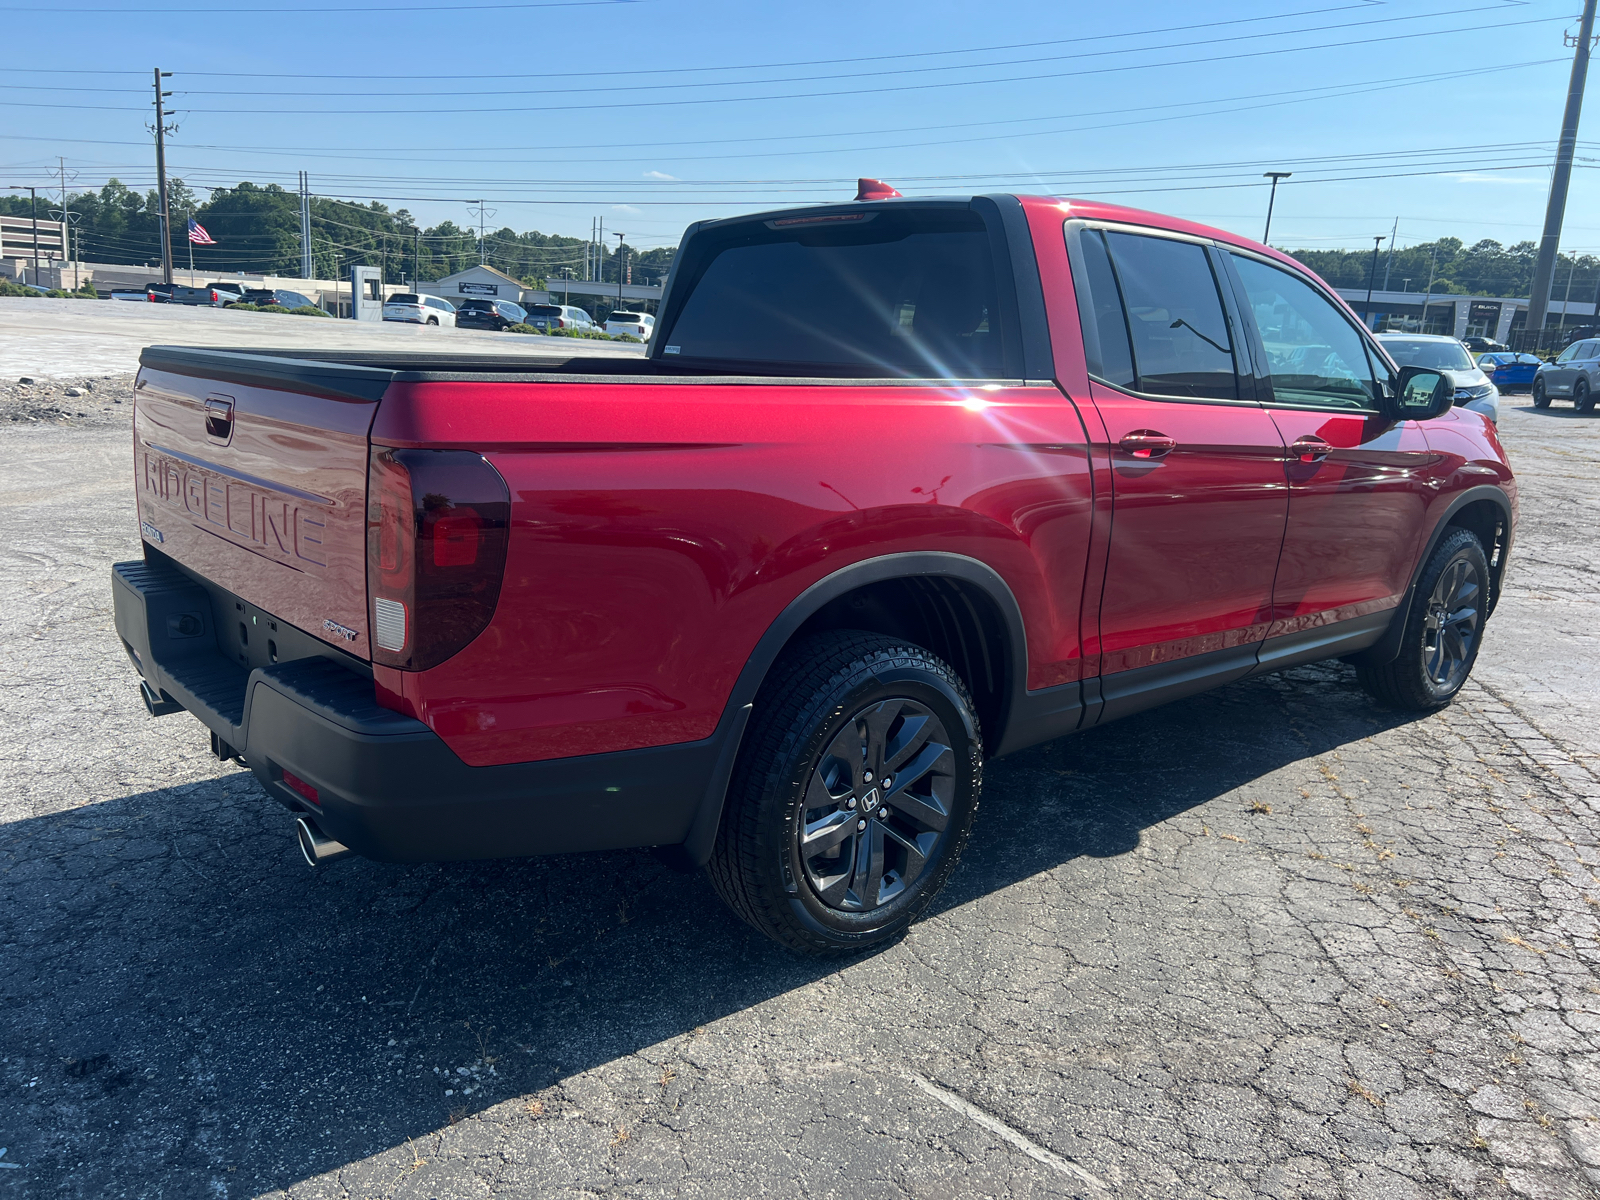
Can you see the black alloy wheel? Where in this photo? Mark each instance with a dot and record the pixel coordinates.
(877, 806)
(1582, 398)
(854, 792)
(1444, 629)
(1450, 627)
(1541, 398)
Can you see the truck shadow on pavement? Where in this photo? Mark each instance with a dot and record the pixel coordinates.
(192, 1011)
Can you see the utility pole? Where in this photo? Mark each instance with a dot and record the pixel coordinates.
(1389, 260)
(1566, 301)
(66, 223)
(306, 265)
(483, 244)
(1556, 208)
(621, 246)
(416, 257)
(161, 174)
(1271, 199)
(600, 250)
(1372, 277)
(1433, 266)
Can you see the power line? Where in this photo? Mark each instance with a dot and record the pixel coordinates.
(1078, 73)
(880, 73)
(1336, 91)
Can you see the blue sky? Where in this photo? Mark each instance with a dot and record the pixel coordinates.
(653, 113)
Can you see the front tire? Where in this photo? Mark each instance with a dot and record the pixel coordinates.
(853, 795)
(1443, 630)
(1541, 398)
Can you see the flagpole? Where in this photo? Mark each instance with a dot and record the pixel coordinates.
(191, 246)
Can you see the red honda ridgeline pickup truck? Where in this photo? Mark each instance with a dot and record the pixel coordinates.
(902, 484)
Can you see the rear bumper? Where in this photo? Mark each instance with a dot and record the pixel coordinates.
(387, 786)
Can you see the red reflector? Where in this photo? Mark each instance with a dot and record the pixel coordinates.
(295, 784)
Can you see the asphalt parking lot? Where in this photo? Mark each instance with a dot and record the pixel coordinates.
(1272, 941)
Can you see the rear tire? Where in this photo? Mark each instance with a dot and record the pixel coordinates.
(1582, 397)
(433, 320)
(814, 850)
(1541, 398)
(1443, 630)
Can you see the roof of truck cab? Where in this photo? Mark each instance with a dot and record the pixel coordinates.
(1086, 210)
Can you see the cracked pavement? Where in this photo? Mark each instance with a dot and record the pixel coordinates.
(1271, 941)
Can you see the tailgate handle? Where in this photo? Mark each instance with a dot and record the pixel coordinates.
(219, 417)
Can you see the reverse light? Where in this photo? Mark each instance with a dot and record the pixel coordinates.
(437, 524)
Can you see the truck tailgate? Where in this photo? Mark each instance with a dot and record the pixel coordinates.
(260, 488)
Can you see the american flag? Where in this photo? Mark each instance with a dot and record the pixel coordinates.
(198, 234)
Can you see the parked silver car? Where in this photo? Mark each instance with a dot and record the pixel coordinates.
(1575, 374)
(1434, 352)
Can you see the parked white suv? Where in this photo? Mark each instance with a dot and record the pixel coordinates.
(559, 316)
(1434, 352)
(640, 325)
(419, 310)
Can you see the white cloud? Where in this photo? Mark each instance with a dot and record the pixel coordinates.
(625, 208)
(660, 175)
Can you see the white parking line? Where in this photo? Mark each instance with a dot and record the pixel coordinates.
(1000, 1129)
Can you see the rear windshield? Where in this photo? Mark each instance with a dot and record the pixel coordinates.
(545, 310)
(906, 293)
(634, 318)
(1432, 356)
(476, 305)
(403, 298)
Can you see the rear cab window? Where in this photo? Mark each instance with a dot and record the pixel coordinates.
(902, 291)
(1153, 316)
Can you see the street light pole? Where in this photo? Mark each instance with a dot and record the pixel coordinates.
(1372, 277)
(1271, 199)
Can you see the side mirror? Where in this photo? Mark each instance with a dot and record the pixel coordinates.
(1423, 394)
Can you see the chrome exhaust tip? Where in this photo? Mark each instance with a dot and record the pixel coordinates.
(157, 704)
(315, 845)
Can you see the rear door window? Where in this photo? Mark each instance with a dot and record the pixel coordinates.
(905, 293)
(1314, 355)
(1154, 321)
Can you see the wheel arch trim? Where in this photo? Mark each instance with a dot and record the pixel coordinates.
(736, 713)
(1387, 648)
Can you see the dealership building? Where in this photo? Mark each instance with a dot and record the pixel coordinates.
(1496, 317)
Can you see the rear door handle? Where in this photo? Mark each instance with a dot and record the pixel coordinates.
(1147, 444)
(1310, 449)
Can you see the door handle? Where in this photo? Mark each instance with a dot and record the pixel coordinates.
(1147, 444)
(219, 418)
(1310, 449)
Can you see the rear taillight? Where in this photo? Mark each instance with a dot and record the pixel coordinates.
(213, 297)
(437, 523)
(560, 324)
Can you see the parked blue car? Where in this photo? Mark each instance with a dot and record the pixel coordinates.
(1509, 372)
